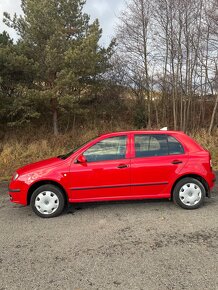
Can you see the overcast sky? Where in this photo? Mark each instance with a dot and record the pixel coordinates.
(105, 10)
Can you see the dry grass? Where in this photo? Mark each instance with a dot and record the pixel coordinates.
(209, 142)
(17, 150)
(20, 148)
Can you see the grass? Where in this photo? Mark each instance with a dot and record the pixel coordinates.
(209, 142)
(19, 149)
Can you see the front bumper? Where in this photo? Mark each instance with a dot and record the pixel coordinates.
(17, 196)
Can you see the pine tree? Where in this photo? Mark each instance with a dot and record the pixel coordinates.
(59, 38)
(16, 75)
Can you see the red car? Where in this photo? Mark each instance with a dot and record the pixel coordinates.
(118, 166)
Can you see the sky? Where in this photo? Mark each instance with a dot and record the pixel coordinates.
(105, 10)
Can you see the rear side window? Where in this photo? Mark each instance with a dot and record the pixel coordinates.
(174, 146)
(151, 145)
(156, 145)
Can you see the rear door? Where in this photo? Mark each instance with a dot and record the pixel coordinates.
(157, 158)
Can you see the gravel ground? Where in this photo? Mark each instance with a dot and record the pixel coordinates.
(144, 245)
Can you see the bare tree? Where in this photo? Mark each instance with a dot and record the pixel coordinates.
(169, 48)
(133, 45)
(213, 17)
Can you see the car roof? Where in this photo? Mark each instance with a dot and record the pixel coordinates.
(143, 131)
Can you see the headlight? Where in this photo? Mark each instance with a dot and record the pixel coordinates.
(15, 176)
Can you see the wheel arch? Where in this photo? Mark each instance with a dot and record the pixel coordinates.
(196, 176)
(37, 184)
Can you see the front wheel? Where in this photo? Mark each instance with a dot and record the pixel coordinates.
(189, 193)
(47, 201)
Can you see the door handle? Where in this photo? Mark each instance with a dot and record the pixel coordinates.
(176, 161)
(122, 166)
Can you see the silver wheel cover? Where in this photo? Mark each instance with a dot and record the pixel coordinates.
(190, 194)
(46, 202)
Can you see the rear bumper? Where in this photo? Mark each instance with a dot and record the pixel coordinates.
(211, 180)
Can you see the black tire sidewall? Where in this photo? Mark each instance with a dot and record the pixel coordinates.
(57, 191)
(176, 190)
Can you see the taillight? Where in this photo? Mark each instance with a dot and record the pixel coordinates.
(211, 166)
(211, 163)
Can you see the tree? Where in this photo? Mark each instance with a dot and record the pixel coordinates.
(58, 37)
(213, 20)
(133, 45)
(168, 50)
(16, 74)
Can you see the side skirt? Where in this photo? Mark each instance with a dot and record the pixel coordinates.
(135, 197)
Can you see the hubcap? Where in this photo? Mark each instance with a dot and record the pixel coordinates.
(190, 194)
(46, 202)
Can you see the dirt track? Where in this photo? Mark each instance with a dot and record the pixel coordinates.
(149, 245)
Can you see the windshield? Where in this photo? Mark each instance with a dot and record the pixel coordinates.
(65, 156)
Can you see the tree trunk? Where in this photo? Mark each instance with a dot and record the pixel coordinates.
(55, 116)
(213, 115)
(55, 122)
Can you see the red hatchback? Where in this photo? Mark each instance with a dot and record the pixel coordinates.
(118, 166)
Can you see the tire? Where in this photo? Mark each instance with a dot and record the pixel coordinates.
(47, 201)
(189, 193)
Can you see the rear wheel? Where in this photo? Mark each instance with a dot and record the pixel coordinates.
(189, 193)
(47, 201)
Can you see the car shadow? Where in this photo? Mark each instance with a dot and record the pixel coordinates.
(73, 207)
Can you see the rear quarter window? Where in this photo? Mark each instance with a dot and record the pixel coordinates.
(174, 146)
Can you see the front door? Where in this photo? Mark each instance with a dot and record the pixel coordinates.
(106, 173)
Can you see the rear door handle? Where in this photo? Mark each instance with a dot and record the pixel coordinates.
(176, 161)
(122, 166)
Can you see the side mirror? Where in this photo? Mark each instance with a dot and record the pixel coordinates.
(81, 159)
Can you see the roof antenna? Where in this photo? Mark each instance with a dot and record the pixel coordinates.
(164, 129)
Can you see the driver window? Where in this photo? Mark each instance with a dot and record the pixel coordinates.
(113, 148)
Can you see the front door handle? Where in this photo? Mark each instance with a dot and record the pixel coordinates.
(122, 166)
(176, 161)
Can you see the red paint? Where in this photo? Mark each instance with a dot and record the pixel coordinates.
(128, 178)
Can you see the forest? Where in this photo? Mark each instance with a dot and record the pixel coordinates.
(59, 86)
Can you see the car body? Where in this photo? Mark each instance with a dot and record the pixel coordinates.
(118, 166)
